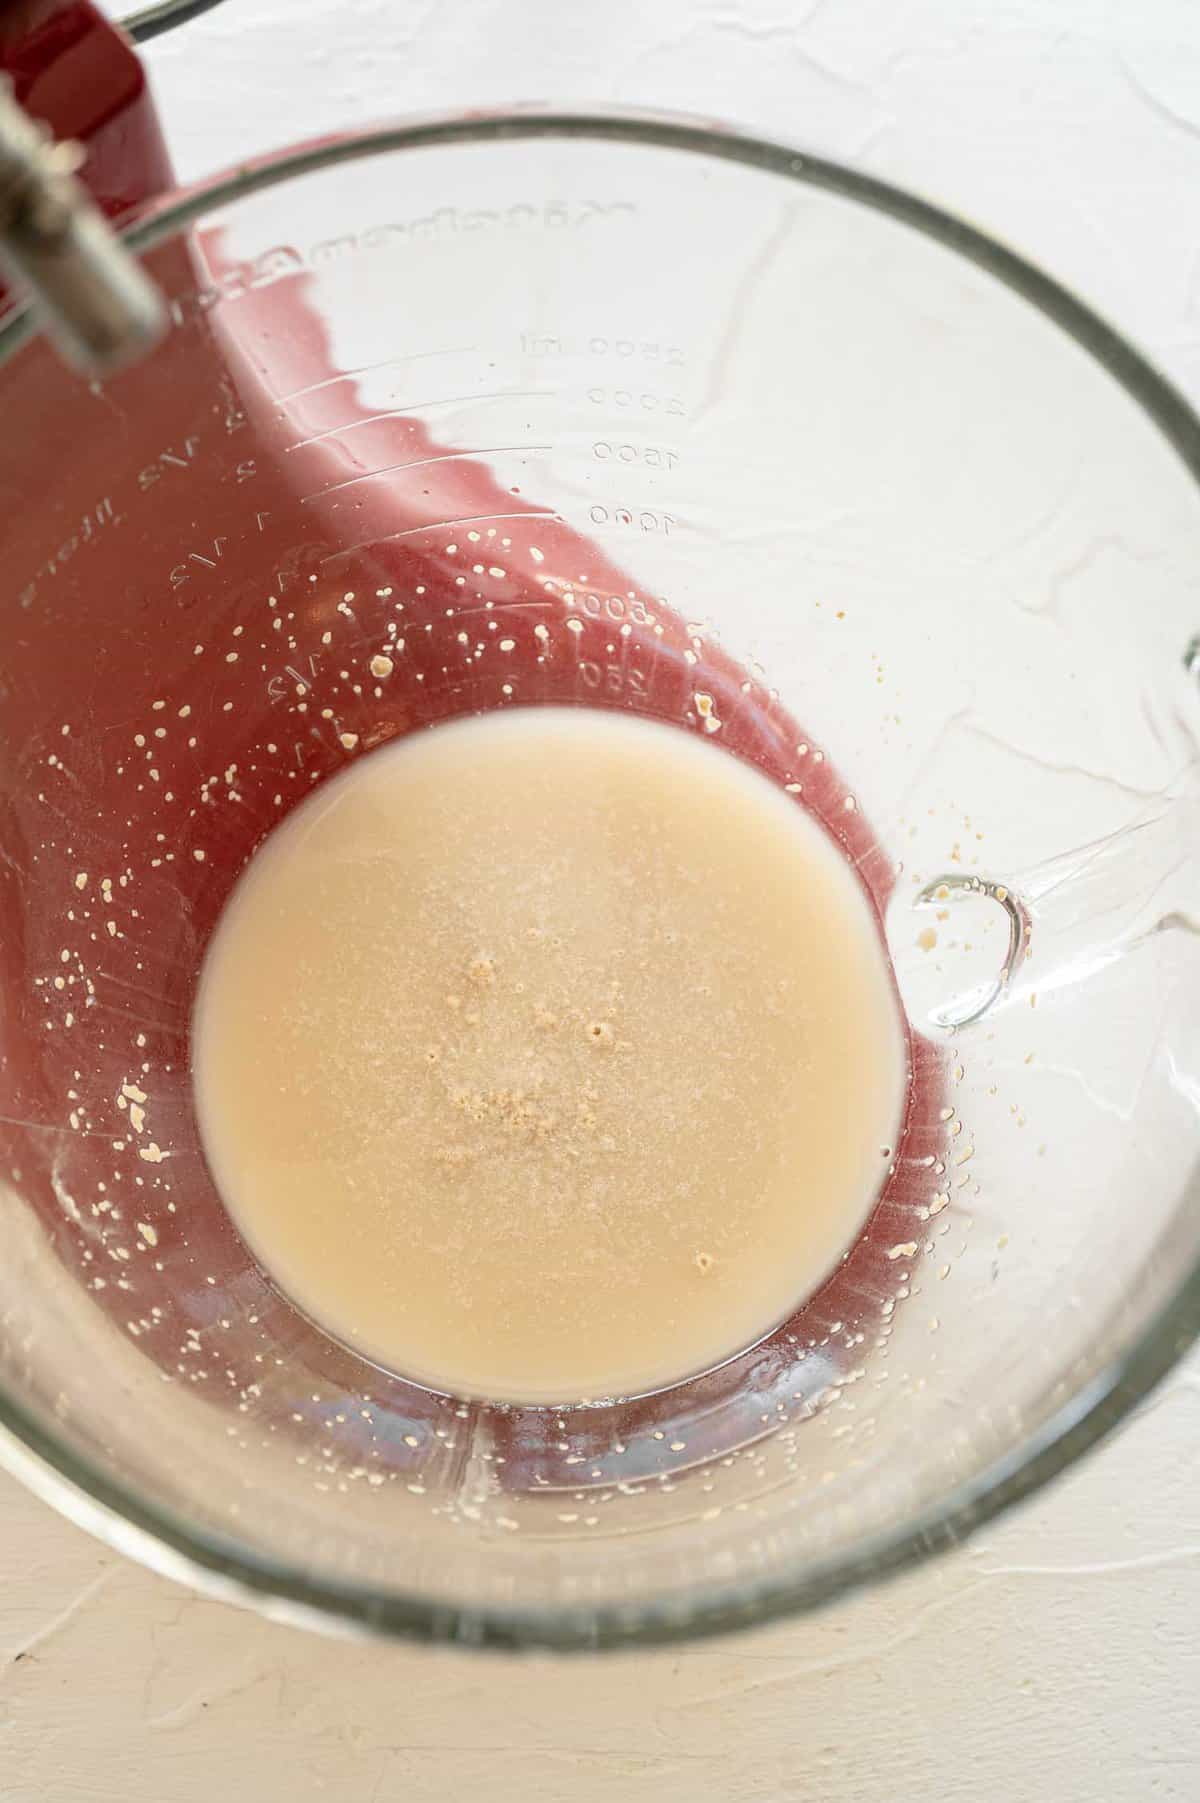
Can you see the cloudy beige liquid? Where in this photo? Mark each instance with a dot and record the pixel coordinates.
(547, 1056)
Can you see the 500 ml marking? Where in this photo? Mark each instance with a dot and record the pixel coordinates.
(610, 607)
(614, 679)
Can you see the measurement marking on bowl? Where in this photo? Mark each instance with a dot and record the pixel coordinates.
(365, 369)
(418, 463)
(470, 519)
(407, 410)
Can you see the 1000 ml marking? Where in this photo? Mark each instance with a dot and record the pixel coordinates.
(645, 519)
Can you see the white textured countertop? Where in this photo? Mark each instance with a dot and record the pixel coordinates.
(1058, 1657)
(1055, 1660)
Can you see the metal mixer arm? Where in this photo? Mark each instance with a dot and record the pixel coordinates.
(99, 307)
(72, 93)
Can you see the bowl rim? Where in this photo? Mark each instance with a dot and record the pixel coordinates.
(228, 1569)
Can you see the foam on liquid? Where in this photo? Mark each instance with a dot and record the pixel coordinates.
(549, 1055)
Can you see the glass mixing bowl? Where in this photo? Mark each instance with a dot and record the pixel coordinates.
(631, 413)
